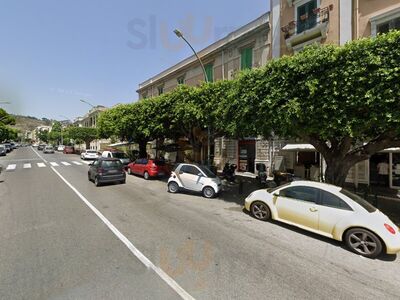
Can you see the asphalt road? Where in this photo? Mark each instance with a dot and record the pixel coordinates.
(53, 246)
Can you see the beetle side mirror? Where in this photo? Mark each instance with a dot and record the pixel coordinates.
(276, 194)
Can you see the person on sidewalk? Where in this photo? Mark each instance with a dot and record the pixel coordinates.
(383, 173)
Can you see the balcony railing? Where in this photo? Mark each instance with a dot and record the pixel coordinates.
(307, 21)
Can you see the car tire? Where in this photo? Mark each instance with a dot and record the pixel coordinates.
(208, 192)
(363, 242)
(173, 187)
(146, 175)
(260, 211)
(129, 171)
(96, 181)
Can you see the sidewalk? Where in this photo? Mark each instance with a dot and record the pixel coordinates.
(384, 199)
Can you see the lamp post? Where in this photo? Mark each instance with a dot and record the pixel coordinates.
(179, 34)
(88, 103)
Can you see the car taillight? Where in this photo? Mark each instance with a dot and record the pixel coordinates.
(101, 171)
(390, 229)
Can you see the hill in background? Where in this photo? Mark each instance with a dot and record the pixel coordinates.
(28, 123)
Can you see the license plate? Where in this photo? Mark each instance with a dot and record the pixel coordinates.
(161, 174)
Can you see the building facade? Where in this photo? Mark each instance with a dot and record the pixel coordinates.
(297, 23)
(90, 120)
(247, 47)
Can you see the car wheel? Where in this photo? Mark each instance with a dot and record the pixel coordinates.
(208, 192)
(173, 187)
(146, 175)
(129, 171)
(363, 242)
(96, 181)
(260, 211)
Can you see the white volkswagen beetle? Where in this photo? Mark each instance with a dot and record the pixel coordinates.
(330, 211)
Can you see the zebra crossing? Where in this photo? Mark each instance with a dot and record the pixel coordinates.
(25, 165)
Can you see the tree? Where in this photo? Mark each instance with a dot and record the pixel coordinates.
(43, 135)
(82, 134)
(56, 132)
(342, 100)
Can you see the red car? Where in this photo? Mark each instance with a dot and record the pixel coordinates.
(68, 150)
(148, 168)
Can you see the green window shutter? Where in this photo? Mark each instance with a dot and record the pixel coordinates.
(246, 58)
(209, 72)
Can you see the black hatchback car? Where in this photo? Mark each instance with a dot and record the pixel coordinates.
(105, 170)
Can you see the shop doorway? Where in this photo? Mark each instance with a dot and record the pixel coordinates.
(247, 155)
(379, 170)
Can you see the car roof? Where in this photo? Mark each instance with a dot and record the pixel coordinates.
(108, 158)
(321, 185)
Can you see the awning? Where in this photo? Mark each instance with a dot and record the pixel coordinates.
(299, 147)
(120, 144)
(390, 150)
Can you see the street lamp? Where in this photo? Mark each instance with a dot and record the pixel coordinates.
(84, 101)
(179, 34)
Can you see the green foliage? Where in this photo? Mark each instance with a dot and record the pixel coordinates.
(81, 134)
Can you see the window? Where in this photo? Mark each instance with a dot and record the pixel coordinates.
(389, 25)
(385, 22)
(360, 201)
(328, 199)
(246, 60)
(209, 72)
(111, 164)
(303, 193)
(160, 90)
(190, 170)
(181, 80)
(306, 18)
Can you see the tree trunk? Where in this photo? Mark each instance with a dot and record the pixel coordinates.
(87, 142)
(142, 149)
(338, 169)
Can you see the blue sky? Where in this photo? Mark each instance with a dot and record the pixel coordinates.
(53, 53)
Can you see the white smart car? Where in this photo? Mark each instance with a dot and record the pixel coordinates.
(195, 178)
(89, 154)
(330, 211)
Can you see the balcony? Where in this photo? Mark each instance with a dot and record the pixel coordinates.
(308, 28)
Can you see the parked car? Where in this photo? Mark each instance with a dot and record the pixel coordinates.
(41, 146)
(148, 168)
(105, 170)
(3, 150)
(48, 149)
(89, 154)
(330, 211)
(123, 157)
(196, 178)
(60, 148)
(8, 147)
(69, 150)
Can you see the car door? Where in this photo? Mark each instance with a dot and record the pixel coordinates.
(298, 205)
(190, 178)
(332, 209)
(93, 169)
(135, 166)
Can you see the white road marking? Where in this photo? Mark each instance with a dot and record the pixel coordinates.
(11, 167)
(54, 164)
(77, 163)
(27, 166)
(65, 163)
(164, 276)
(41, 165)
(38, 155)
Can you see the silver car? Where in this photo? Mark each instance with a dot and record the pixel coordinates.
(195, 178)
(48, 149)
(3, 150)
